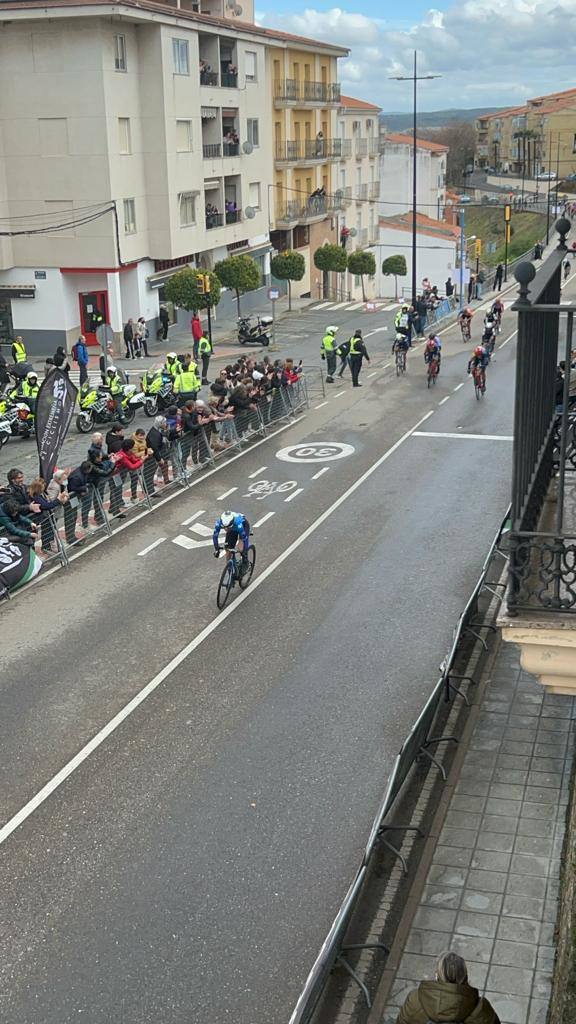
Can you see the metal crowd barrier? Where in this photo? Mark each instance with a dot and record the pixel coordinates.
(416, 745)
(82, 518)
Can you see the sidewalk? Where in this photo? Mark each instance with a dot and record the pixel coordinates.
(491, 893)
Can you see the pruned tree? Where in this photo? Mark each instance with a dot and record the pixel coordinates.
(360, 263)
(184, 290)
(288, 266)
(395, 265)
(330, 257)
(241, 273)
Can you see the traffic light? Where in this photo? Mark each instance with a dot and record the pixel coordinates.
(507, 213)
(508, 232)
(203, 283)
(478, 248)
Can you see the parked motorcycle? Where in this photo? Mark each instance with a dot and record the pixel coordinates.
(98, 406)
(254, 334)
(158, 388)
(16, 419)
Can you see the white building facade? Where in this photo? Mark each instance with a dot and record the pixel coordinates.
(117, 159)
(437, 249)
(358, 185)
(396, 172)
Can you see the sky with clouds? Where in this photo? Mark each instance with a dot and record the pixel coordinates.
(485, 58)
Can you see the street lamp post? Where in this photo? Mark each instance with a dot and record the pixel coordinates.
(414, 78)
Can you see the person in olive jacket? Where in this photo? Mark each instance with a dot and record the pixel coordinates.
(447, 999)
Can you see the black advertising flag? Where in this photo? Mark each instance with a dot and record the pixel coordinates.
(54, 410)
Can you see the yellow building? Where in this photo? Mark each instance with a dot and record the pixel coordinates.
(306, 147)
(536, 138)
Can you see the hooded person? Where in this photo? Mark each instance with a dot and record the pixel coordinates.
(449, 998)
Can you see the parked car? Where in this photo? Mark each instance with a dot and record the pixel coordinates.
(464, 199)
(570, 177)
(546, 176)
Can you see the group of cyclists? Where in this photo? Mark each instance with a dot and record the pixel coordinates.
(483, 352)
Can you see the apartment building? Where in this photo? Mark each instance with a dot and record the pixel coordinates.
(396, 172)
(358, 183)
(136, 138)
(535, 138)
(307, 152)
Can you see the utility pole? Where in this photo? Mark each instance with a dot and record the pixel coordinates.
(462, 259)
(549, 184)
(507, 215)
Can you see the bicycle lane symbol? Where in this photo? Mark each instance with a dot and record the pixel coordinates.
(261, 489)
(315, 452)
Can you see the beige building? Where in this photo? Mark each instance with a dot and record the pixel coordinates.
(535, 138)
(358, 185)
(307, 151)
(136, 137)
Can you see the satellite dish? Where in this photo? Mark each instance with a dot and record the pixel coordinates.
(237, 10)
(353, 232)
(247, 147)
(249, 212)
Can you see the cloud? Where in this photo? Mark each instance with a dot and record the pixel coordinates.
(528, 49)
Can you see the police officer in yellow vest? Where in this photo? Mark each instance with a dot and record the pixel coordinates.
(27, 390)
(172, 364)
(328, 352)
(114, 382)
(204, 351)
(18, 350)
(186, 384)
(356, 354)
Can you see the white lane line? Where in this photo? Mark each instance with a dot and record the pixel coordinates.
(375, 331)
(320, 472)
(357, 305)
(373, 374)
(226, 493)
(340, 393)
(322, 404)
(508, 339)
(466, 437)
(393, 305)
(458, 386)
(192, 518)
(321, 306)
(98, 739)
(386, 366)
(340, 305)
(294, 494)
(257, 473)
(152, 546)
(264, 519)
(444, 400)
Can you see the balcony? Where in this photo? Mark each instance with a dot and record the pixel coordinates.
(346, 195)
(361, 148)
(307, 151)
(292, 92)
(295, 212)
(208, 77)
(361, 192)
(214, 220)
(229, 80)
(362, 238)
(212, 150)
(373, 147)
(346, 152)
(374, 190)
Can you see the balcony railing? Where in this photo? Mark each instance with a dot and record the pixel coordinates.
(208, 78)
(212, 150)
(229, 80)
(291, 90)
(362, 238)
(346, 151)
(214, 220)
(361, 148)
(374, 190)
(361, 192)
(230, 148)
(373, 147)
(296, 212)
(306, 150)
(233, 216)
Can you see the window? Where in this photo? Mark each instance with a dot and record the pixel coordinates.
(183, 136)
(187, 201)
(254, 194)
(251, 66)
(180, 56)
(120, 53)
(53, 135)
(124, 140)
(252, 131)
(129, 216)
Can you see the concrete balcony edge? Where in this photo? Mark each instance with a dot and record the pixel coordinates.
(547, 648)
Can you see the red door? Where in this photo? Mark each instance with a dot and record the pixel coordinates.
(93, 312)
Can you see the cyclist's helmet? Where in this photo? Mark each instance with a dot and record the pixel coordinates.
(431, 343)
(227, 518)
(32, 375)
(478, 351)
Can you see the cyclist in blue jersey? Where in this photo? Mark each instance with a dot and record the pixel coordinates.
(237, 530)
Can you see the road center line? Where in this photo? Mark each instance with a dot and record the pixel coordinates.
(466, 437)
(191, 519)
(294, 494)
(444, 400)
(373, 374)
(458, 386)
(84, 753)
(320, 472)
(322, 404)
(226, 493)
(152, 546)
(508, 339)
(264, 519)
(340, 393)
(257, 473)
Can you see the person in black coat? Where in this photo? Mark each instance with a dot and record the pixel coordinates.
(157, 440)
(60, 360)
(129, 339)
(79, 493)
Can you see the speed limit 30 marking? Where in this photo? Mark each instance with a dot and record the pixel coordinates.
(315, 451)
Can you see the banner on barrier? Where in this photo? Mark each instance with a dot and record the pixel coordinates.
(54, 410)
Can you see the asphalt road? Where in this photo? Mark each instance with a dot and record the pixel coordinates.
(188, 866)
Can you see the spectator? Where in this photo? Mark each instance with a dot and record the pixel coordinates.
(129, 339)
(143, 335)
(497, 286)
(47, 504)
(197, 333)
(79, 493)
(448, 998)
(471, 287)
(60, 360)
(56, 488)
(127, 461)
(164, 322)
(114, 438)
(140, 449)
(15, 524)
(158, 443)
(420, 315)
(102, 470)
(449, 288)
(80, 354)
(17, 489)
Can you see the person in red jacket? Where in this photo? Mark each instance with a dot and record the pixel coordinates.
(197, 333)
(126, 459)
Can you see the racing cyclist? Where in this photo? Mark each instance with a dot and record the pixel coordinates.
(465, 321)
(497, 311)
(433, 350)
(237, 530)
(401, 343)
(479, 361)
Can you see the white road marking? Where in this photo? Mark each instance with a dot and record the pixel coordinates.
(373, 374)
(264, 519)
(339, 305)
(189, 543)
(321, 306)
(458, 386)
(192, 518)
(322, 404)
(393, 305)
(357, 305)
(375, 331)
(201, 530)
(340, 393)
(294, 494)
(226, 493)
(444, 400)
(386, 366)
(320, 472)
(467, 437)
(508, 339)
(258, 471)
(98, 739)
(152, 546)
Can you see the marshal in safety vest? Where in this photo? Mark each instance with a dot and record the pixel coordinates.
(18, 351)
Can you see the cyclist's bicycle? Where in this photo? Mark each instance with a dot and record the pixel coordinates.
(433, 371)
(479, 378)
(234, 572)
(400, 361)
(465, 330)
(490, 344)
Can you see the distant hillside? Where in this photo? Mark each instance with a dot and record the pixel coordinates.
(435, 118)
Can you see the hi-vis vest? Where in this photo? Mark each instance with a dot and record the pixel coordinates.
(20, 352)
(353, 350)
(401, 320)
(328, 343)
(203, 346)
(186, 381)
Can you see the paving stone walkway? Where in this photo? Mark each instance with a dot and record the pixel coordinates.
(491, 893)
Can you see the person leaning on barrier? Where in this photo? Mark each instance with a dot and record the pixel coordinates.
(157, 441)
(449, 998)
(48, 505)
(15, 524)
(127, 460)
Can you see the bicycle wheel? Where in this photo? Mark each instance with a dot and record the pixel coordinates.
(246, 576)
(225, 585)
(398, 370)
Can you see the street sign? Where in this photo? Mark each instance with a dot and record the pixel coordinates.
(273, 294)
(370, 307)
